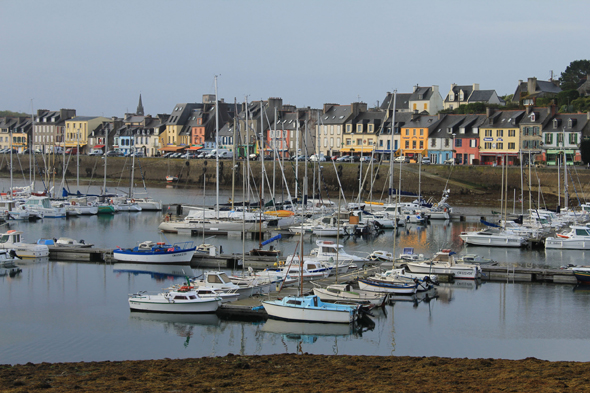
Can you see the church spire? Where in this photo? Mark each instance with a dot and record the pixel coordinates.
(139, 107)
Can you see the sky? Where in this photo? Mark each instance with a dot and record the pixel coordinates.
(98, 56)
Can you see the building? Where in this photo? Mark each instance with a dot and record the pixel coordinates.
(562, 136)
(48, 129)
(426, 99)
(77, 130)
(527, 92)
(415, 133)
(499, 137)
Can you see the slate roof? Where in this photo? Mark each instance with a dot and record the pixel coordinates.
(337, 114)
(579, 123)
(456, 89)
(421, 94)
(402, 102)
(481, 95)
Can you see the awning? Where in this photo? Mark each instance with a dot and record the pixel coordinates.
(356, 150)
(195, 148)
(98, 146)
(173, 148)
(75, 144)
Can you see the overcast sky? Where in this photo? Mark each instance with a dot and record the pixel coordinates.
(98, 56)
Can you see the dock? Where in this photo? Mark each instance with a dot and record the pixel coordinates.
(235, 261)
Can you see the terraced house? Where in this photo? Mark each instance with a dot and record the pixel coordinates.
(78, 129)
(499, 137)
(334, 131)
(48, 130)
(562, 136)
(415, 133)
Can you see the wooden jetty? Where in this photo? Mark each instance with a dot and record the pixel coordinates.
(235, 261)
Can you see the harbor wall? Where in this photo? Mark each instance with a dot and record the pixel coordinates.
(469, 185)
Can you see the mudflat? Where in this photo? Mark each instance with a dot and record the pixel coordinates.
(300, 373)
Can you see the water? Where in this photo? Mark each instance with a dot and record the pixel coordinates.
(66, 311)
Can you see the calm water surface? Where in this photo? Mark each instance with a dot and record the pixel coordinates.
(66, 311)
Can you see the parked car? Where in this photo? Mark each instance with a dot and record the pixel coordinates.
(297, 158)
(113, 153)
(368, 159)
(425, 160)
(344, 159)
(315, 158)
(189, 156)
(402, 159)
(72, 150)
(95, 153)
(332, 158)
(449, 161)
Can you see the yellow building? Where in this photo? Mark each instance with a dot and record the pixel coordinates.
(78, 128)
(414, 135)
(499, 137)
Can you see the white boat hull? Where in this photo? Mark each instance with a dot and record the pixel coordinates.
(158, 303)
(567, 244)
(494, 241)
(459, 272)
(177, 258)
(374, 286)
(308, 314)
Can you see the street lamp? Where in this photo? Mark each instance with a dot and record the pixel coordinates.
(453, 149)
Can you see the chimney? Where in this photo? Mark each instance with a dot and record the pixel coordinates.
(476, 86)
(529, 109)
(531, 85)
(489, 112)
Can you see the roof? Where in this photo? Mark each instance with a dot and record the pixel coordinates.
(337, 114)
(456, 89)
(421, 94)
(481, 95)
(402, 101)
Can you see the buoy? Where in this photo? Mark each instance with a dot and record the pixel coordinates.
(73, 203)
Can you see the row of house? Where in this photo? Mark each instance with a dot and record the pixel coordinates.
(407, 124)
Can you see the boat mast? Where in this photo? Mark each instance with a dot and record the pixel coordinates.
(30, 143)
(78, 160)
(132, 166)
(233, 171)
(261, 151)
(391, 147)
(274, 159)
(565, 191)
(297, 156)
(217, 150)
(106, 149)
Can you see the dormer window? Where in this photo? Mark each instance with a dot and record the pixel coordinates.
(533, 117)
(461, 96)
(571, 122)
(451, 96)
(556, 123)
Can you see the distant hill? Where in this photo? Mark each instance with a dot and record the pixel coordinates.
(10, 113)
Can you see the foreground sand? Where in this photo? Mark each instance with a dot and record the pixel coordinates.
(301, 373)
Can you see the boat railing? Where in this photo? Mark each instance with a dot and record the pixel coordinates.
(184, 245)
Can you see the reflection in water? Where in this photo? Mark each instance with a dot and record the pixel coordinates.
(160, 273)
(180, 324)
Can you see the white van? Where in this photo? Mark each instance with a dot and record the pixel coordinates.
(222, 153)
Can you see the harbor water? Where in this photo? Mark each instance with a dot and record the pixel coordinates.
(57, 311)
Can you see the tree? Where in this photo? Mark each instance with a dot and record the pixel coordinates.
(566, 97)
(574, 74)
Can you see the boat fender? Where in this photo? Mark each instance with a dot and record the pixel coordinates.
(170, 249)
(111, 201)
(73, 203)
(89, 204)
(167, 218)
(133, 201)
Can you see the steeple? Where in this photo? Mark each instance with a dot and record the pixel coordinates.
(139, 107)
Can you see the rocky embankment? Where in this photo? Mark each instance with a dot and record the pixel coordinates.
(469, 185)
(300, 373)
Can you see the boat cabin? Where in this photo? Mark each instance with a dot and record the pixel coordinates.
(10, 237)
(39, 202)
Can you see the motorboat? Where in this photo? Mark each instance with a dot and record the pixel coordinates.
(8, 257)
(13, 240)
(147, 203)
(171, 179)
(475, 259)
(311, 270)
(397, 287)
(345, 293)
(159, 253)
(491, 236)
(209, 226)
(578, 238)
(176, 300)
(83, 205)
(408, 255)
(121, 204)
(444, 262)
(42, 204)
(311, 309)
(209, 292)
(380, 255)
(220, 280)
(64, 242)
(582, 274)
(327, 250)
(424, 282)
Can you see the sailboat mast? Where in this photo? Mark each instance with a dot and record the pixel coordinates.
(30, 143)
(392, 144)
(233, 170)
(106, 149)
(217, 150)
(297, 155)
(261, 151)
(274, 159)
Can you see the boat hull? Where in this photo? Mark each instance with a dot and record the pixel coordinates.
(582, 274)
(385, 287)
(181, 257)
(281, 310)
(160, 304)
(459, 272)
(567, 244)
(493, 241)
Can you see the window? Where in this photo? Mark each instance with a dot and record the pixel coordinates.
(421, 131)
(432, 142)
(337, 142)
(413, 144)
(331, 142)
(488, 145)
(415, 106)
(548, 138)
(499, 146)
(488, 132)
(359, 128)
(370, 127)
(421, 144)
(349, 128)
(407, 144)
(447, 142)
(325, 142)
(381, 143)
(511, 132)
(348, 142)
(331, 130)
(407, 132)
(499, 132)
(458, 143)
(414, 132)
(425, 106)
(573, 137)
(560, 138)
(325, 130)
(473, 143)
(371, 142)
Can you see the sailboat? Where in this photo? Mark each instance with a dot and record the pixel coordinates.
(310, 308)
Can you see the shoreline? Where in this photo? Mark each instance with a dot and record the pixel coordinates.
(300, 373)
